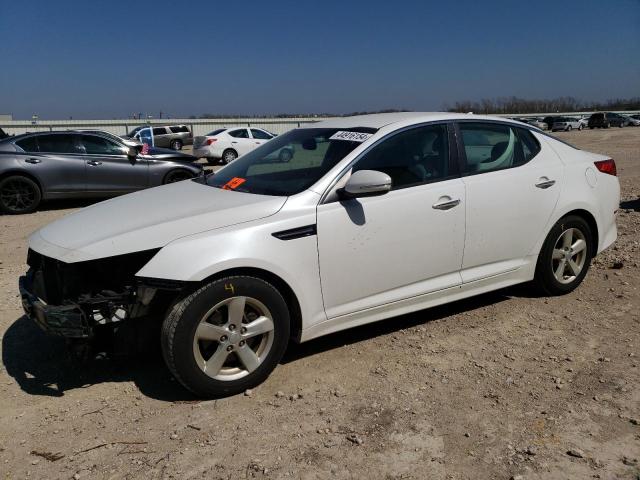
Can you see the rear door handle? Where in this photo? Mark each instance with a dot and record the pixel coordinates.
(94, 163)
(544, 182)
(33, 160)
(446, 204)
(234, 142)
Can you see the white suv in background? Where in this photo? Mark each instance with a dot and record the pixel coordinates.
(227, 144)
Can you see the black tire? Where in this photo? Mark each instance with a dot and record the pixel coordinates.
(545, 279)
(285, 155)
(591, 128)
(569, 128)
(229, 155)
(176, 144)
(580, 127)
(621, 124)
(177, 175)
(179, 329)
(19, 195)
(608, 125)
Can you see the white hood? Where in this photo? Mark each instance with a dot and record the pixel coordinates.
(148, 219)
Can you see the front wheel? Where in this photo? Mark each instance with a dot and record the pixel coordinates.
(569, 128)
(565, 256)
(227, 336)
(580, 127)
(177, 176)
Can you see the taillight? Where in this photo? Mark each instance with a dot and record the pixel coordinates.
(211, 140)
(607, 166)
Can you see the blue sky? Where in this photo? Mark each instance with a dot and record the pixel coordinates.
(108, 59)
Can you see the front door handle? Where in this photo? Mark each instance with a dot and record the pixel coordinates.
(446, 204)
(94, 163)
(33, 160)
(544, 182)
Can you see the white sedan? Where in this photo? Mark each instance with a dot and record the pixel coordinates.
(227, 144)
(373, 217)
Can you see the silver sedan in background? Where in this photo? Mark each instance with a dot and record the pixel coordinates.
(82, 164)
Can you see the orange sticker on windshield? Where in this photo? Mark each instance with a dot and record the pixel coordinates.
(234, 183)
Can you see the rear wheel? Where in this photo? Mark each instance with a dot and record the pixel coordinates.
(569, 128)
(176, 144)
(19, 194)
(580, 127)
(565, 256)
(229, 156)
(621, 124)
(227, 336)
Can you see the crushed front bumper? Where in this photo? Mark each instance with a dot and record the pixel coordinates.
(67, 320)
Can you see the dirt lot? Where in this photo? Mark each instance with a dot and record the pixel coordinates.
(502, 385)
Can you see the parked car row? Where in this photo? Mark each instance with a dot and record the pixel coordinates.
(74, 164)
(596, 120)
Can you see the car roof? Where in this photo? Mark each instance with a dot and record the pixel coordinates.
(379, 120)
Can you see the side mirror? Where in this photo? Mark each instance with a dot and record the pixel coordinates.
(366, 183)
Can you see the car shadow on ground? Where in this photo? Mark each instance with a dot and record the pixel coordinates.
(41, 365)
(631, 205)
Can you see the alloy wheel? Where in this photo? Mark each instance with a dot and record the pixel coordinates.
(233, 338)
(569, 255)
(17, 195)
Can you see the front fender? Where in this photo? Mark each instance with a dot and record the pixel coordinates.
(198, 257)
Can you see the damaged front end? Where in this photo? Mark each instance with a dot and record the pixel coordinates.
(77, 300)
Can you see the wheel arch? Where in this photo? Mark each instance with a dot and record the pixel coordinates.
(28, 175)
(588, 217)
(279, 283)
(177, 168)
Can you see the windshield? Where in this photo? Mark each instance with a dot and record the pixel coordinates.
(288, 164)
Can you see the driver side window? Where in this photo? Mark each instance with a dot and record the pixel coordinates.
(413, 157)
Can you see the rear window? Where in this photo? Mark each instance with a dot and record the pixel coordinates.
(597, 116)
(216, 132)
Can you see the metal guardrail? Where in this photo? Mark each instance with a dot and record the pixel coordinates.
(122, 127)
(204, 125)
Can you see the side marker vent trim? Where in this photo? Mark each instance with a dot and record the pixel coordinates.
(298, 232)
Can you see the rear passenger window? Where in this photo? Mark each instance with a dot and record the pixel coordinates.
(159, 131)
(239, 133)
(179, 129)
(29, 144)
(489, 147)
(61, 143)
(530, 146)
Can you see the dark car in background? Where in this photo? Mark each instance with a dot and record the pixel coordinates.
(82, 164)
(549, 121)
(606, 120)
(170, 136)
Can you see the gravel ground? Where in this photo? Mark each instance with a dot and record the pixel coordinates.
(502, 385)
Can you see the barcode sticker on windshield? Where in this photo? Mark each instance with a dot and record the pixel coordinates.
(351, 136)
